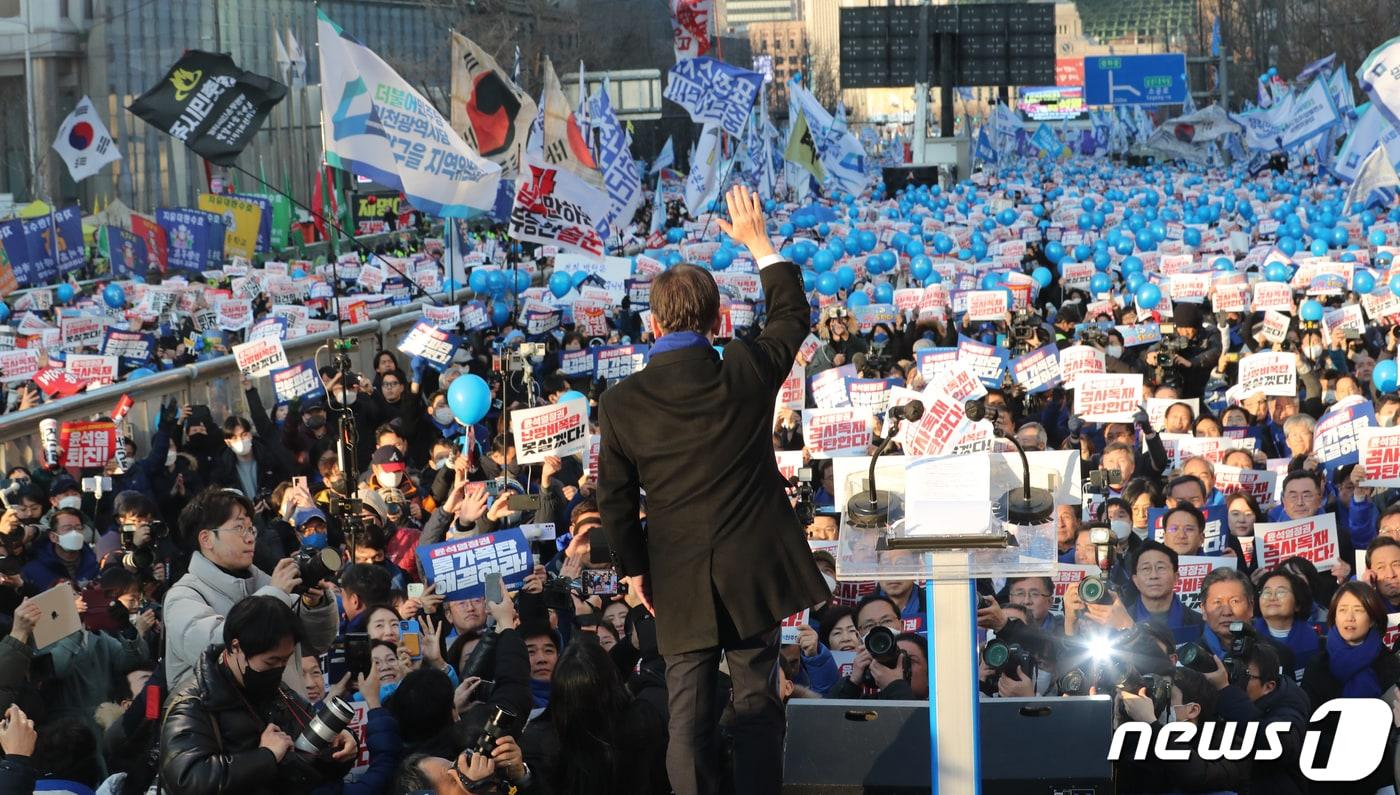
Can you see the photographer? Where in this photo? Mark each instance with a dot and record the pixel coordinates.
(221, 574)
(841, 346)
(1193, 700)
(1184, 360)
(899, 673)
(230, 728)
(146, 549)
(1252, 689)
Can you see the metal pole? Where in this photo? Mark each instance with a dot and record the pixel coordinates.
(1223, 79)
(921, 83)
(945, 84)
(29, 103)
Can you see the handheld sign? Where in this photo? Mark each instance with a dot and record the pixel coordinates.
(560, 429)
(459, 568)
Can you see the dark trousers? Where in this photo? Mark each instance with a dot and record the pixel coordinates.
(693, 756)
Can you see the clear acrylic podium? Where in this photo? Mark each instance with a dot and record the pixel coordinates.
(946, 521)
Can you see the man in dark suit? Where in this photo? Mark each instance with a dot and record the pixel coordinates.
(722, 558)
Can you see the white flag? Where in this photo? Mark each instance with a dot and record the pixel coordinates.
(1379, 76)
(281, 58)
(83, 142)
(376, 125)
(1375, 181)
(297, 59)
(702, 184)
(667, 157)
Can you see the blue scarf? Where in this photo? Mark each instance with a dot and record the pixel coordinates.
(539, 691)
(1351, 665)
(677, 340)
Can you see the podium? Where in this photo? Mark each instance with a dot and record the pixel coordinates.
(947, 521)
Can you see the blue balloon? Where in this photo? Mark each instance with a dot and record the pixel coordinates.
(828, 284)
(469, 398)
(1100, 283)
(1224, 264)
(139, 373)
(722, 259)
(1385, 376)
(868, 240)
(500, 313)
(845, 276)
(1192, 237)
(884, 293)
(1042, 276)
(1132, 264)
(64, 293)
(1376, 238)
(857, 298)
(1148, 295)
(477, 280)
(1276, 272)
(934, 277)
(560, 284)
(4, 311)
(495, 282)
(298, 273)
(1288, 245)
(1124, 247)
(920, 267)
(114, 296)
(914, 249)
(1082, 252)
(1339, 236)
(1363, 282)
(942, 243)
(1394, 284)
(522, 281)
(822, 261)
(1318, 248)
(677, 234)
(1054, 251)
(1310, 310)
(571, 395)
(1006, 217)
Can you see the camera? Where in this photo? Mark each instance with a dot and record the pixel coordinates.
(1101, 480)
(557, 593)
(1004, 657)
(1130, 661)
(501, 722)
(315, 565)
(1095, 588)
(1243, 638)
(806, 506)
(1024, 331)
(323, 727)
(1196, 656)
(883, 647)
(1093, 336)
(141, 560)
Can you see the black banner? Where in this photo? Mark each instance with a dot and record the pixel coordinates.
(210, 104)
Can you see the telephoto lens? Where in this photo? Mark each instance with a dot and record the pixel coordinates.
(1196, 656)
(1094, 590)
(497, 727)
(315, 565)
(880, 642)
(330, 721)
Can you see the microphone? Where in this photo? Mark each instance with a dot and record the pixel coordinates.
(1026, 505)
(858, 362)
(871, 508)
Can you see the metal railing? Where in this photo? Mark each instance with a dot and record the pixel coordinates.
(215, 383)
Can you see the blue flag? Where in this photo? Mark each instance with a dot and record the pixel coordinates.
(192, 238)
(619, 172)
(1215, 38)
(714, 92)
(126, 251)
(985, 151)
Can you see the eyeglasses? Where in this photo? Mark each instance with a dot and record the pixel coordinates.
(1183, 529)
(1029, 595)
(390, 384)
(1276, 593)
(1160, 568)
(1234, 603)
(246, 533)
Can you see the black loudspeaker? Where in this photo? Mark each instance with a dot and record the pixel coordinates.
(1029, 746)
(908, 176)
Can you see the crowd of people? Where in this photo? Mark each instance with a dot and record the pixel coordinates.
(230, 599)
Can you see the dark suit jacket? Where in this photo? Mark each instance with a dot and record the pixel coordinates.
(697, 434)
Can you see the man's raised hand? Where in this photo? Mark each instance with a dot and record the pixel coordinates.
(746, 223)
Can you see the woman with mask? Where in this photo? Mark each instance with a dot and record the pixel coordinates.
(230, 728)
(1285, 613)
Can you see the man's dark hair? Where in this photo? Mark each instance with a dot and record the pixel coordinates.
(540, 629)
(685, 298)
(1299, 474)
(870, 599)
(260, 623)
(1302, 593)
(1153, 546)
(1181, 480)
(584, 506)
(1223, 574)
(67, 749)
(1196, 689)
(1045, 582)
(209, 509)
(410, 776)
(367, 581)
(422, 704)
(916, 639)
(1265, 659)
(134, 503)
(235, 424)
(73, 512)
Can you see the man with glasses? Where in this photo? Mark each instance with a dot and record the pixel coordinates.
(1227, 597)
(1154, 569)
(1035, 594)
(221, 574)
(1183, 529)
(1302, 497)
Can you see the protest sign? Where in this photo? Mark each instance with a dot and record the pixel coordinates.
(1080, 360)
(834, 432)
(1258, 483)
(1191, 288)
(19, 365)
(430, 343)
(808, 348)
(939, 430)
(618, 361)
(56, 383)
(234, 314)
(1191, 572)
(1272, 295)
(1140, 334)
(1269, 373)
(987, 361)
(458, 569)
(591, 318)
(789, 461)
(87, 444)
(829, 387)
(299, 381)
(560, 429)
(270, 328)
(957, 381)
(931, 360)
(81, 331)
(1274, 329)
(474, 316)
(576, 363)
(259, 357)
(793, 393)
(1108, 397)
(986, 305)
(128, 345)
(791, 626)
(1038, 370)
(1231, 298)
(1379, 454)
(1335, 435)
(1347, 318)
(871, 394)
(92, 369)
(1314, 538)
(443, 317)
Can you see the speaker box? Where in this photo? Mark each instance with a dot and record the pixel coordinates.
(1029, 746)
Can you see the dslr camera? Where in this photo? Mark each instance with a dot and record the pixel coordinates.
(1095, 589)
(1102, 480)
(1243, 639)
(141, 560)
(315, 565)
(883, 646)
(1004, 658)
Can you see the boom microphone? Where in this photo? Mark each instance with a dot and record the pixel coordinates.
(909, 412)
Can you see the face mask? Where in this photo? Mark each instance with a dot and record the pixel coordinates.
(167, 362)
(1121, 528)
(71, 541)
(316, 541)
(1116, 351)
(881, 339)
(443, 416)
(261, 685)
(830, 582)
(442, 462)
(241, 446)
(316, 421)
(1312, 352)
(390, 479)
(350, 398)
(1043, 681)
(1329, 396)
(1169, 715)
(71, 501)
(170, 458)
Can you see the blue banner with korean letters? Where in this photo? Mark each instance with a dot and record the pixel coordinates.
(459, 568)
(714, 92)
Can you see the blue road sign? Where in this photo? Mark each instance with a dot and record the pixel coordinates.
(1135, 79)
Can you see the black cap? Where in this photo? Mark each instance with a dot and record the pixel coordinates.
(1187, 315)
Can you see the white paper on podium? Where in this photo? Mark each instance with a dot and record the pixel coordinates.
(948, 496)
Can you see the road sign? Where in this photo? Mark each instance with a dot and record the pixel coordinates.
(1135, 79)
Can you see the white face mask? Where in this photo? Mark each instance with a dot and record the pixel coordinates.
(349, 397)
(443, 416)
(1121, 528)
(1115, 351)
(170, 458)
(830, 582)
(72, 541)
(71, 501)
(241, 446)
(1169, 715)
(1043, 681)
(1329, 396)
(390, 479)
(442, 462)
(1312, 352)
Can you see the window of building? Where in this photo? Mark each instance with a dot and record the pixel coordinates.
(10, 8)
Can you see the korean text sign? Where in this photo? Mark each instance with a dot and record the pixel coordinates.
(459, 568)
